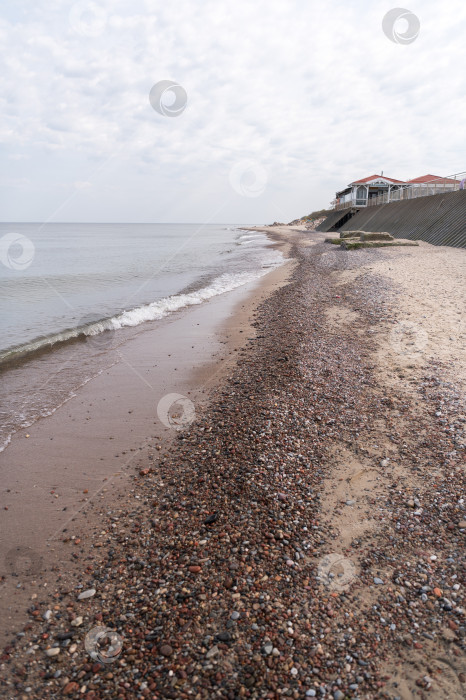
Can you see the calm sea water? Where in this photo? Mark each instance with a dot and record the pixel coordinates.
(65, 283)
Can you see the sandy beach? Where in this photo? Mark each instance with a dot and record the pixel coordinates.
(303, 537)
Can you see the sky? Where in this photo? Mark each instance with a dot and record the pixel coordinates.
(276, 105)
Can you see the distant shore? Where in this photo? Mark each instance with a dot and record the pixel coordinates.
(304, 535)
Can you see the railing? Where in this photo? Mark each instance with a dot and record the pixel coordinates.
(426, 189)
(345, 205)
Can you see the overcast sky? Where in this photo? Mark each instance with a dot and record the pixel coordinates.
(287, 101)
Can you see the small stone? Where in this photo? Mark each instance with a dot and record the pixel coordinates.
(77, 622)
(212, 652)
(54, 651)
(294, 671)
(224, 637)
(350, 503)
(338, 695)
(70, 688)
(462, 524)
(195, 569)
(234, 615)
(267, 648)
(47, 615)
(166, 650)
(87, 594)
(211, 519)
(311, 693)
(378, 581)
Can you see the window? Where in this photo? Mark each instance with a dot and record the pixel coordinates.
(361, 195)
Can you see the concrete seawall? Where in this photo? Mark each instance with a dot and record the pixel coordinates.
(439, 219)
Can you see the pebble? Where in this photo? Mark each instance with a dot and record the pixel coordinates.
(378, 581)
(234, 615)
(87, 594)
(53, 651)
(166, 650)
(77, 621)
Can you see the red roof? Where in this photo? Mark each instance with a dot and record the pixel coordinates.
(430, 178)
(376, 177)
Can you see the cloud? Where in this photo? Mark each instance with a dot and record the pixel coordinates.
(314, 92)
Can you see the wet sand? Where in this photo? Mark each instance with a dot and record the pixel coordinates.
(304, 537)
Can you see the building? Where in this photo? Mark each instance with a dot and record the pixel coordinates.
(434, 183)
(359, 192)
(379, 189)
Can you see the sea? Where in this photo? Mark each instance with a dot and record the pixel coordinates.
(71, 293)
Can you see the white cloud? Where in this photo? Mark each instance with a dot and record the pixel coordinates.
(313, 91)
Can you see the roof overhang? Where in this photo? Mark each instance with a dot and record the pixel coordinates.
(376, 181)
(347, 190)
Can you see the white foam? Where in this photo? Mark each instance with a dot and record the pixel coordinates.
(163, 307)
(155, 310)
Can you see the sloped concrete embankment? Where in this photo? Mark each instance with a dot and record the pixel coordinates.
(439, 219)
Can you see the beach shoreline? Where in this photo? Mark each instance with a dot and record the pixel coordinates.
(59, 474)
(304, 535)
